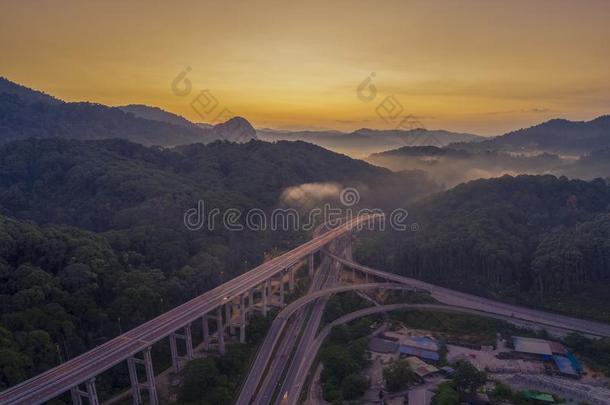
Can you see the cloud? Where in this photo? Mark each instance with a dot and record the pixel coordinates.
(535, 110)
(308, 195)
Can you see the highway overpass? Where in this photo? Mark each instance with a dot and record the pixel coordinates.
(236, 299)
(246, 293)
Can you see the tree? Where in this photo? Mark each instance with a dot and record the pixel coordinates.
(222, 394)
(467, 378)
(199, 376)
(359, 351)
(398, 374)
(339, 334)
(595, 351)
(446, 395)
(516, 236)
(13, 367)
(353, 386)
(258, 327)
(338, 364)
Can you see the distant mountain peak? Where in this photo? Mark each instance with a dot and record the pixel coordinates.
(140, 123)
(236, 129)
(556, 136)
(237, 120)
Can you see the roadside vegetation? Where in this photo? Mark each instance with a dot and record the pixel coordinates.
(343, 356)
(398, 375)
(502, 393)
(468, 329)
(446, 395)
(466, 381)
(343, 304)
(535, 240)
(93, 240)
(216, 380)
(408, 297)
(594, 352)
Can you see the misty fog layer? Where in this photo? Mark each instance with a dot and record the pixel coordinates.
(364, 142)
(308, 195)
(449, 167)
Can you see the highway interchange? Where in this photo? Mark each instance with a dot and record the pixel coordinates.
(69, 374)
(284, 374)
(294, 369)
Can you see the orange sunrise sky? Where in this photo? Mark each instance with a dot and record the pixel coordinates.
(480, 66)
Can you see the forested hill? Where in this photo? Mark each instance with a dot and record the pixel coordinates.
(556, 136)
(59, 286)
(74, 288)
(137, 196)
(538, 240)
(115, 184)
(20, 119)
(26, 94)
(26, 113)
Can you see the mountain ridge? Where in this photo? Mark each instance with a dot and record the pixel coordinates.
(365, 141)
(557, 135)
(156, 114)
(28, 113)
(27, 94)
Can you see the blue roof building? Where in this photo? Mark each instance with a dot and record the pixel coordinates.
(424, 354)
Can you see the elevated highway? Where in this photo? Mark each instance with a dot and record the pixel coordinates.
(235, 299)
(78, 374)
(453, 301)
(265, 353)
(456, 298)
(291, 392)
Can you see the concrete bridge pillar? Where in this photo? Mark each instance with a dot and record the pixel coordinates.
(149, 384)
(229, 317)
(76, 399)
(206, 332)
(265, 291)
(135, 382)
(93, 400)
(291, 279)
(250, 300)
(220, 331)
(89, 393)
(173, 348)
(150, 378)
(189, 341)
(282, 287)
(242, 318)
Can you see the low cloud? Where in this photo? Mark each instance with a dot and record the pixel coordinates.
(536, 110)
(308, 195)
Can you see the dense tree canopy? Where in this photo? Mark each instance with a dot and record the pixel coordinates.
(398, 375)
(446, 395)
(99, 230)
(534, 239)
(22, 119)
(57, 288)
(467, 378)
